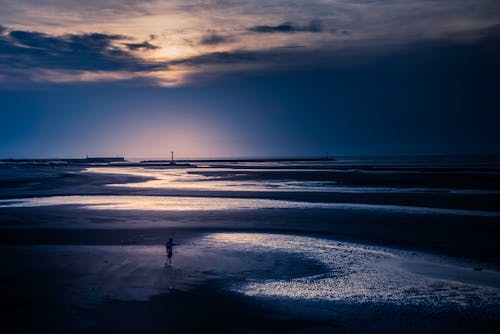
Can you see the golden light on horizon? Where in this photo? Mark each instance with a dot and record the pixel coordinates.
(164, 132)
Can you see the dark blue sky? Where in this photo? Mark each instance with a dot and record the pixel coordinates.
(424, 96)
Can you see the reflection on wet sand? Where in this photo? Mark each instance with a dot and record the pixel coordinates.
(186, 178)
(358, 273)
(258, 265)
(225, 179)
(185, 203)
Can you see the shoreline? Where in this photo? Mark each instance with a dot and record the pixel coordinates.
(72, 268)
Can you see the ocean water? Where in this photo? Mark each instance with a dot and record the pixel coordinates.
(187, 203)
(233, 179)
(400, 187)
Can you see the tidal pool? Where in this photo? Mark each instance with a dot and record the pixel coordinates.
(359, 273)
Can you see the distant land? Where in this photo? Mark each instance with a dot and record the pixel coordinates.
(77, 160)
(183, 162)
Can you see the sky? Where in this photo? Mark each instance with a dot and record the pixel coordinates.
(232, 78)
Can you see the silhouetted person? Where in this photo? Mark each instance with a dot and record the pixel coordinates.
(169, 245)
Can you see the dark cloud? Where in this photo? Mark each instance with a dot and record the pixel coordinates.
(283, 57)
(444, 57)
(141, 46)
(288, 27)
(97, 43)
(491, 37)
(24, 52)
(83, 52)
(221, 58)
(214, 39)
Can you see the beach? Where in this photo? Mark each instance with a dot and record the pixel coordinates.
(341, 246)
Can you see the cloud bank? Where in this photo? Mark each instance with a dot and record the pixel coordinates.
(173, 43)
(288, 27)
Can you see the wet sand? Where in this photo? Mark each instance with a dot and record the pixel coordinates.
(470, 237)
(74, 268)
(224, 282)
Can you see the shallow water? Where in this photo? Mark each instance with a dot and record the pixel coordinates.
(287, 270)
(189, 179)
(270, 266)
(186, 203)
(358, 273)
(186, 178)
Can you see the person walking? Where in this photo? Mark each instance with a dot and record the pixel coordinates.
(169, 245)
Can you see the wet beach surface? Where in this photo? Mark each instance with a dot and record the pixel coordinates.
(238, 282)
(257, 249)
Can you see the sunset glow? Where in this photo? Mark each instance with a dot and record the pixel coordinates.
(248, 78)
(182, 40)
(249, 166)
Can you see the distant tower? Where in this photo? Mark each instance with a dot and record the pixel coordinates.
(172, 156)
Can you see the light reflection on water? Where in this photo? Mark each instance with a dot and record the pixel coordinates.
(359, 273)
(185, 203)
(156, 203)
(350, 272)
(188, 179)
(184, 178)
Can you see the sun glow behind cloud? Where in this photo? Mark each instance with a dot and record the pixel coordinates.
(180, 41)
